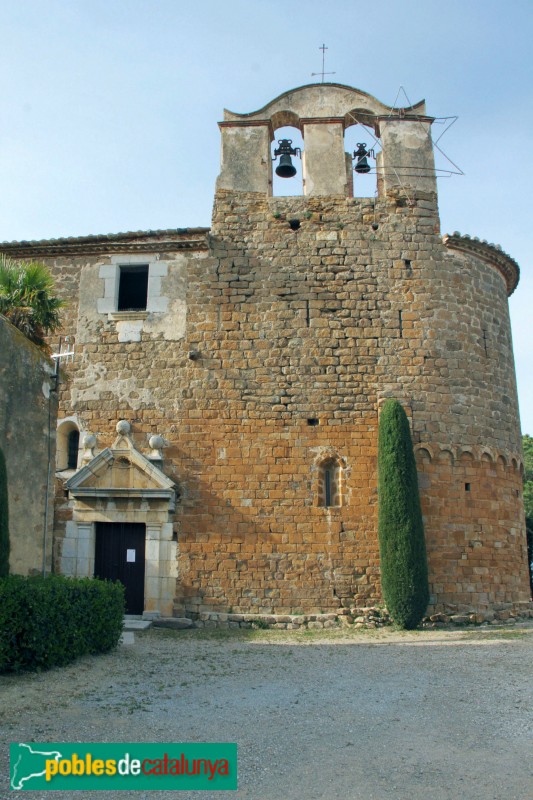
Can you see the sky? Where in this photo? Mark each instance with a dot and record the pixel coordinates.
(110, 109)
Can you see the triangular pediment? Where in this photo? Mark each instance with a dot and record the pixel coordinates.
(122, 471)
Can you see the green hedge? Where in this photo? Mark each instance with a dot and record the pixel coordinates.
(48, 622)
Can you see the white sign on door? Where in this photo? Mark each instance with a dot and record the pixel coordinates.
(130, 556)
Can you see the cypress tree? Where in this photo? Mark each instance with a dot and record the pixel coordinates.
(4, 519)
(404, 574)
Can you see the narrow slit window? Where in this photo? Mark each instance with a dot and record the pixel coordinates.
(73, 444)
(329, 484)
(328, 479)
(133, 288)
(485, 343)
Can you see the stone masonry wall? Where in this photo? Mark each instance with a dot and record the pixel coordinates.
(27, 438)
(321, 321)
(295, 331)
(474, 522)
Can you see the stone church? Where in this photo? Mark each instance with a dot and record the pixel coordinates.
(217, 433)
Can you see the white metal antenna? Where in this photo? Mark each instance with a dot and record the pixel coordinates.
(66, 351)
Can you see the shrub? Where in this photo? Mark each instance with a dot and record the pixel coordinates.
(404, 575)
(27, 298)
(4, 519)
(47, 622)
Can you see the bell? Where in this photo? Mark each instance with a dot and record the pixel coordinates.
(286, 169)
(362, 166)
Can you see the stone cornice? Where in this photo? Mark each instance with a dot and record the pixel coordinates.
(405, 118)
(490, 253)
(245, 123)
(508, 459)
(249, 123)
(164, 241)
(322, 121)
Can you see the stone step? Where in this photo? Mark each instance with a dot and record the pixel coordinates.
(136, 623)
(176, 623)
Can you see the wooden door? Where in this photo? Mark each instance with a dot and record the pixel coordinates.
(119, 556)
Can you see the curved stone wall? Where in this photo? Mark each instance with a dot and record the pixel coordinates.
(474, 523)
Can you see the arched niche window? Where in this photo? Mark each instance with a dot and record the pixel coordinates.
(329, 483)
(68, 444)
(287, 187)
(364, 183)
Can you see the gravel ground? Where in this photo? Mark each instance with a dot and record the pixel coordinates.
(364, 715)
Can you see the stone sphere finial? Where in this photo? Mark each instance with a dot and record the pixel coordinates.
(89, 441)
(156, 442)
(123, 427)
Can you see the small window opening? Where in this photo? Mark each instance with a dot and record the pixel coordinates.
(485, 342)
(328, 479)
(329, 484)
(313, 421)
(467, 487)
(133, 288)
(73, 443)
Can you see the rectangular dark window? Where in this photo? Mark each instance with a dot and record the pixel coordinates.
(73, 444)
(133, 288)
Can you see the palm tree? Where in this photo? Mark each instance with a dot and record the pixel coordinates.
(27, 299)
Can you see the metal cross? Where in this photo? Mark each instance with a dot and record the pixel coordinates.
(323, 48)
